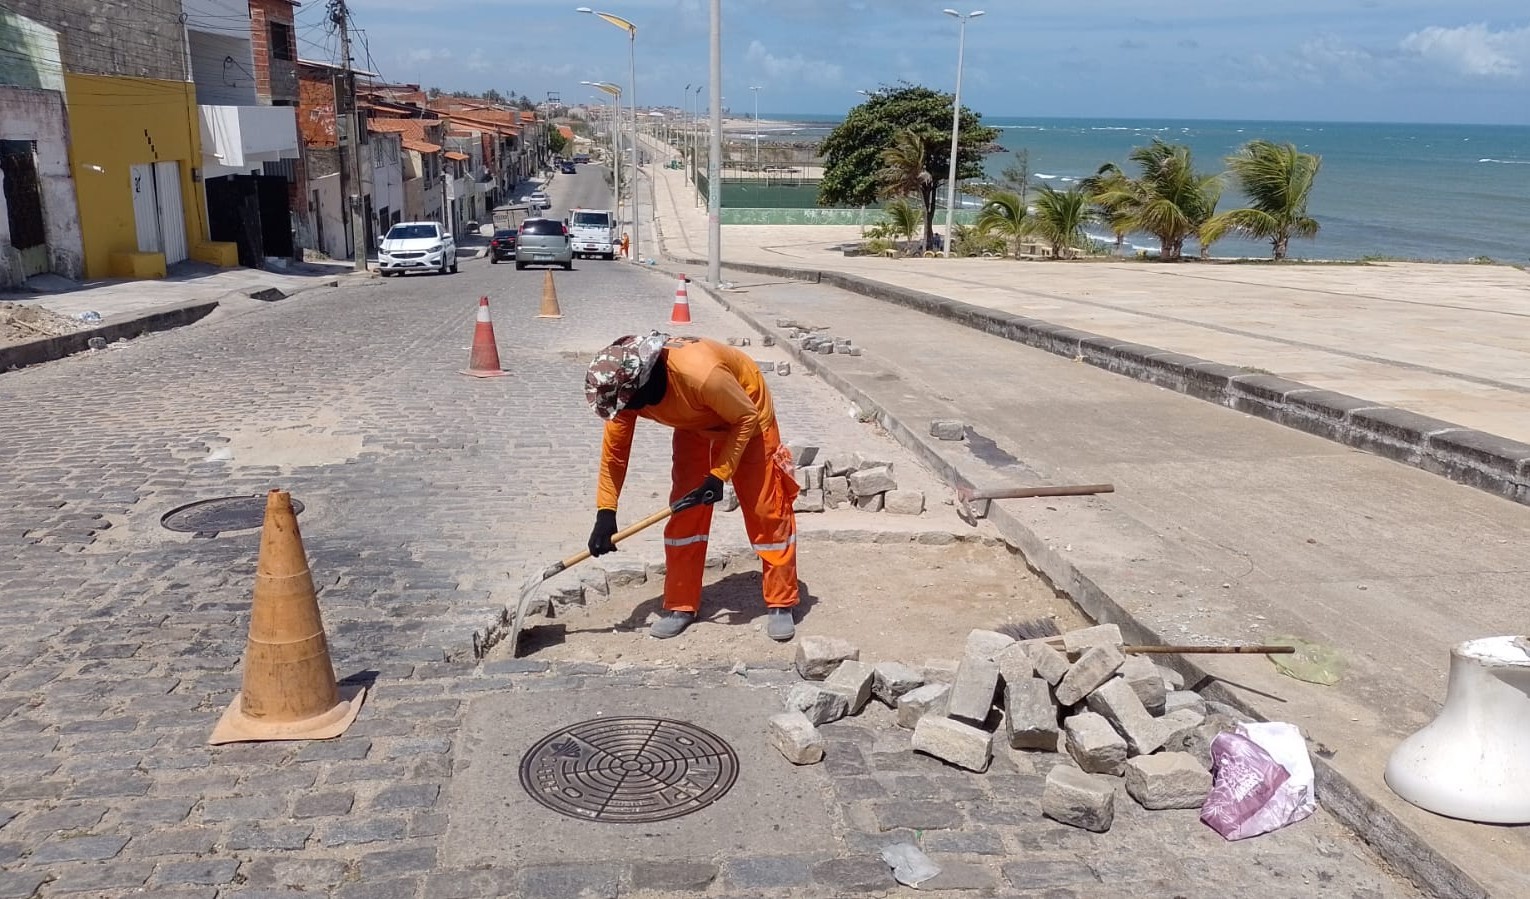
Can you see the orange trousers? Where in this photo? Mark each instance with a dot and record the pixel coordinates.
(766, 486)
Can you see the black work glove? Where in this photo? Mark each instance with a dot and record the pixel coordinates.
(710, 491)
(604, 530)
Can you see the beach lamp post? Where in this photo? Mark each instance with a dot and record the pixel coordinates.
(756, 89)
(637, 151)
(615, 93)
(956, 122)
(714, 148)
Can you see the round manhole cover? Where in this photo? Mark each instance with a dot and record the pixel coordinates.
(629, 770)
(226, 513)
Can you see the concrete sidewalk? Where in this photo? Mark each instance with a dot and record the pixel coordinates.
(1225, 528)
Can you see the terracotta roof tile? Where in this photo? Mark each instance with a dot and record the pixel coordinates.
(460, 157)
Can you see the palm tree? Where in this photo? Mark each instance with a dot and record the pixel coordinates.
(1277, 179)
(1170, 201)
(1004, 215)
(1060, 218)
(902, 218)
(905, 173)
(1107, 189)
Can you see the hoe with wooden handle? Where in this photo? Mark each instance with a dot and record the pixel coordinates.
(973, 504)
(529, 589)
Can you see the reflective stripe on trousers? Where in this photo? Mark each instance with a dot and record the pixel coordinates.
(766, 489)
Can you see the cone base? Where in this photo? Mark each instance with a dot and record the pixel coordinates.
(686, 322)
(491, 373)
(546, 315)
(236, 727)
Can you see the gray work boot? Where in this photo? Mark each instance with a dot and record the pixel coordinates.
(780, 625)
(670, 624)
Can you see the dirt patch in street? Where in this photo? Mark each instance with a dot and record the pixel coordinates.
(905, 602)
(21, 322)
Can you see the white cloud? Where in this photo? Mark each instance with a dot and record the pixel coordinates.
(1472, 50)
(428, 54)
(793, 68)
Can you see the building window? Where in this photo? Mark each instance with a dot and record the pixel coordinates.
(281, 40)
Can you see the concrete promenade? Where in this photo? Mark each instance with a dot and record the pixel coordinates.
(1224, 527)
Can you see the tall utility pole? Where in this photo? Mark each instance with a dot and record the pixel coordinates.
(355, 190)
(714, 155)
(956, 125)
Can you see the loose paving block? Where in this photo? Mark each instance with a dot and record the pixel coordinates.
(839, 465)
(872, 481)
(818, 656)
(1189, 700)
(977, 680)
(869, 503)
(765, 365)
(1096, 666)
(1167, 780)
(1143, 677)
(919, 702)
(853, 680)
(1197, 740)
(810, 477)
(809, 501)
(1014, 663)
(1030, 717)
(1099, 635)
(865, 461)
(941, 671)
(626, 572)
(1094, 744)
(903, 502)
(987, 644)
(947, 429)
(820, 704)
(953, 742)
(1118, 703)
(1172, 680)
(1079, 799)
(836, 491)
(796, 738)
(783, 368)
(803, 453)
(1048, 662)
(1179, 722)
(891, 680)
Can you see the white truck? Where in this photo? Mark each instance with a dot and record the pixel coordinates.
(593, 232)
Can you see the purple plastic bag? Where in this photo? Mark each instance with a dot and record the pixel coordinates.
(1245, 779)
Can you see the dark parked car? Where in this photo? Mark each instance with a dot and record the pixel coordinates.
(569, 169)
(503, 245)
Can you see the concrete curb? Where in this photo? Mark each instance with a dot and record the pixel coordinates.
(1478, 459)
(50, 349)
(1347, 801)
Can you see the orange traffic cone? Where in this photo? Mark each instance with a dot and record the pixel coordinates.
(289, 690)
(549, 298)
(484, 361)
(681, 315)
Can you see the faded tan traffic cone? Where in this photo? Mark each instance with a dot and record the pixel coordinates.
(289, 690)
(681, 313)
(483, 362)
(549, 298)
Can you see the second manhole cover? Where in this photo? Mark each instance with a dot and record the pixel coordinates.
(629, 770)
(225, 513)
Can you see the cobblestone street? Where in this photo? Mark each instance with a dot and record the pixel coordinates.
(427, 495)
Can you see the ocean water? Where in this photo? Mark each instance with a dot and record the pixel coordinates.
(1431, 192)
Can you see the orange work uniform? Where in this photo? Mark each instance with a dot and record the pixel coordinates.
(725, 425)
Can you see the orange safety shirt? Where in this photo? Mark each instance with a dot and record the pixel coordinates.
(713, 389)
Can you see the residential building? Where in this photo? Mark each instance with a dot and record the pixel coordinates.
(39, 217)
(424, 182)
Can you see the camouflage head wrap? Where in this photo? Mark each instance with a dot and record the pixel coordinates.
(619, 370)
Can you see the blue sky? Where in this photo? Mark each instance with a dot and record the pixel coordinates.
(1333, 60)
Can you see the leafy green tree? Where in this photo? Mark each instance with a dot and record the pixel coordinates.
(1060, 219)
(1107, 189)
(1016, 177)
(1004, 216)
(1170, 200)
(556, 142)
(904, 174)
(853, 152)
(902, 218)
(493, 96)
(1277, 179)
(433, 93)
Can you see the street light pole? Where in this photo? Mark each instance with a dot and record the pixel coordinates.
(756, 89)
(637, 150)
(615, 93)
(714, 155)
(956, 123)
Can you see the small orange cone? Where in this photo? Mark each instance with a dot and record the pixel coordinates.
(289, 690)
(681, 315)
(484, 361)
(549, 298)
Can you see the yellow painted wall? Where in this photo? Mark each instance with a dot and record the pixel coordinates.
(114, 124)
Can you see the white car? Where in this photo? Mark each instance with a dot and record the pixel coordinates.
(594, 233)
(540, 199)
(416, 247)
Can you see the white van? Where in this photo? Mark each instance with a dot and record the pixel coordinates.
(594, 232)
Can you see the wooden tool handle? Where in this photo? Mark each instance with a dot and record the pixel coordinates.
(1057, 490)
(1220, 650)
(618, 537)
